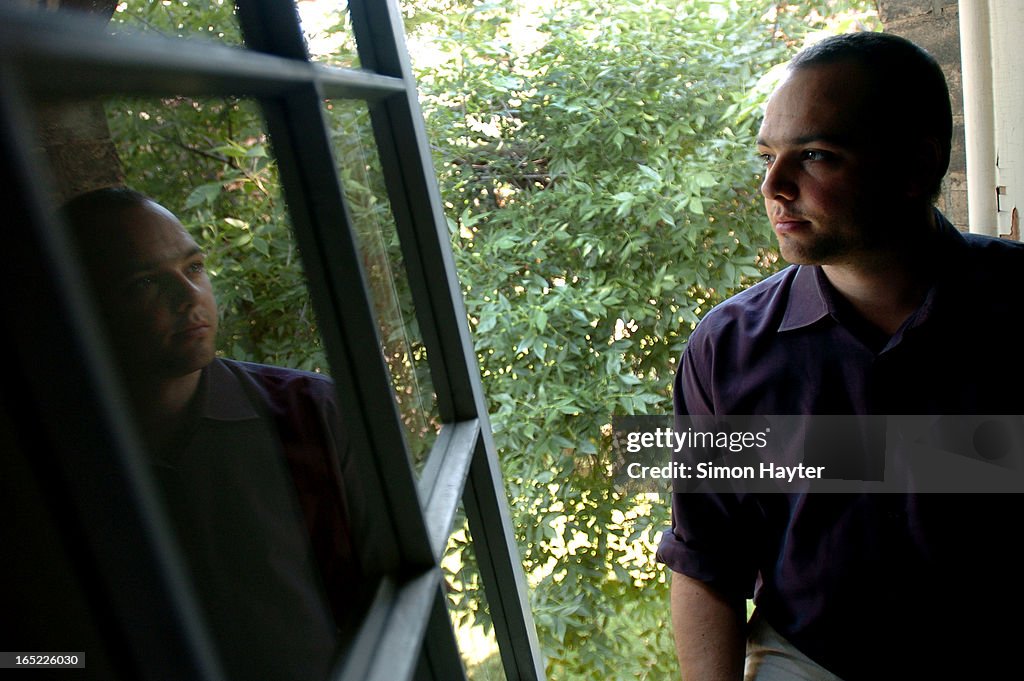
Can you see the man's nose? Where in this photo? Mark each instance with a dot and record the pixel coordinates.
(779, 182)
(184, 293)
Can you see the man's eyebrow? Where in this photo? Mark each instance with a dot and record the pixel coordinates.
(144, 267)
(832, 139)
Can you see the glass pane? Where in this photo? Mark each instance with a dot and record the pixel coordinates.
(212, 156)
(467, 605)
(328, 31)
(406, 356)
(212, 19)
(205, 309)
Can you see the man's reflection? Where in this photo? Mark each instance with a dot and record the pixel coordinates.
(242, 452)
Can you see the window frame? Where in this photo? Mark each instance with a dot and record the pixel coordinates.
(407, 633)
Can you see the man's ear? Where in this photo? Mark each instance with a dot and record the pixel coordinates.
(926, 169)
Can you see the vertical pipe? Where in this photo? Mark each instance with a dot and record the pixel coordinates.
(979, 121)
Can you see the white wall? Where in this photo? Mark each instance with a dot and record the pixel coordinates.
(1007, 18)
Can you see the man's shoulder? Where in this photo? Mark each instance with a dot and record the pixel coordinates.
(274, 372)
(750, 308)
(990, 250)
(990, 264)
(276, 381)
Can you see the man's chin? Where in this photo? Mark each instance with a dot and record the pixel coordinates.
(194, 363)
(794, 253)
(172, 368)
(811, 252)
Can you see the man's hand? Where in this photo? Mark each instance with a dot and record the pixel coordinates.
(708, 629)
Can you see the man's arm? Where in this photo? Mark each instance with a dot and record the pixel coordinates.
(708, 629)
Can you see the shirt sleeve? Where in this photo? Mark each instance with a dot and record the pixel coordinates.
(711, 537)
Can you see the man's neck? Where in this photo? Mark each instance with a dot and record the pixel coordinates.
(164, 408)
(886, 287)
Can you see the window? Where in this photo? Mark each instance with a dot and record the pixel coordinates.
(96, 568)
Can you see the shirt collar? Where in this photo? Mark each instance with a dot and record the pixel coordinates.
(223, 396)
(809, 301)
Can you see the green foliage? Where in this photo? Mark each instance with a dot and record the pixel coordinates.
(596, 161)
(210, 19)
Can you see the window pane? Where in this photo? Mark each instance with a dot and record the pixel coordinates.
(247, 458)
(402, 342)
(212, 19)
(211, 158)
(468, 607)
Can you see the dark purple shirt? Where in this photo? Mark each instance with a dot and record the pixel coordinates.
(256, 501)
(870, 586)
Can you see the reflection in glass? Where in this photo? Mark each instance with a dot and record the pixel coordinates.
(213, 157)
(248, 458)
(212, 19)
(404, 352)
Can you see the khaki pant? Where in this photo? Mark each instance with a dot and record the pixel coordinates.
(772, 658)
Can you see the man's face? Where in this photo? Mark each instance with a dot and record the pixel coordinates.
(831, 191)
(155, 294)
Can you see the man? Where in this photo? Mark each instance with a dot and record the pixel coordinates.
(886, 309)
(242, 453)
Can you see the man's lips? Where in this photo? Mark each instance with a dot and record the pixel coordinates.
(193, 330)
(787, 224)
